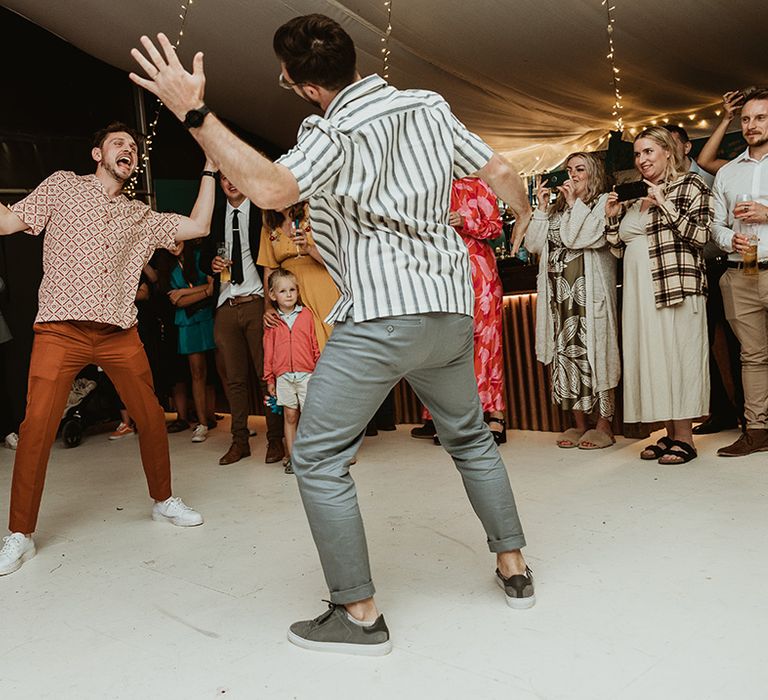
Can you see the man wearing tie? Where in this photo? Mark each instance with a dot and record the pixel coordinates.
(238, 326)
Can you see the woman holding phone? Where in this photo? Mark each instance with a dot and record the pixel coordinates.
(286, 241)
(661, 237)
(576, 318)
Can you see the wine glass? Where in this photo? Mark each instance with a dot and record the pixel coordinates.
(223, 252)
(295, 226)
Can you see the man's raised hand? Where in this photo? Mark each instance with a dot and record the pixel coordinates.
(177, 89)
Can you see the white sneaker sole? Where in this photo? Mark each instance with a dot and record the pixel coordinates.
(199, 439)
(17, 564)
(160, 518)
(517, 603)
(339, 648)
(120, 437)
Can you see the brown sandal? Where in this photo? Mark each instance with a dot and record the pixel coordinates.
(596, 440)
(571, 437)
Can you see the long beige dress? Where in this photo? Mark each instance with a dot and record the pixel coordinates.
(666, 353)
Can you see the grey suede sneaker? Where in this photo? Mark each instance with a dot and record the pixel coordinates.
(334, 631)
(518, 589)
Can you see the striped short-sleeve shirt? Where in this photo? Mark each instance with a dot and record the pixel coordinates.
(377, 170)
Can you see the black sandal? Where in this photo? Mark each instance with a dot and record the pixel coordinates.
(499, 436)
(660, 448)
(686, 453)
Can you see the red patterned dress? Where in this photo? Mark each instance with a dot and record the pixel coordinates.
(477, 204)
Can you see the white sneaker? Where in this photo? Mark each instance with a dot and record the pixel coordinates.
(176, 512)
(12, 441)
(200, 433)
(17, 549)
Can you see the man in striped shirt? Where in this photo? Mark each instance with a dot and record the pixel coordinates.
(377, 169)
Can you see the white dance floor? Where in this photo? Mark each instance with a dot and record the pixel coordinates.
(650, 579)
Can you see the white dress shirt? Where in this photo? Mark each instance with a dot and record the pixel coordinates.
(251, 284)
(743, 175)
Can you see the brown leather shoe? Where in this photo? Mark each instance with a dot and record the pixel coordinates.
(275, 451)
(753, 440)
(235, 453)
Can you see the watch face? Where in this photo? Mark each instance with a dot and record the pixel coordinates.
(195, 117)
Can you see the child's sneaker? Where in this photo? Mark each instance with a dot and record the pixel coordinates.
(200, 433)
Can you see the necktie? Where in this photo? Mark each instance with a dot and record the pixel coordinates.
(237, 251)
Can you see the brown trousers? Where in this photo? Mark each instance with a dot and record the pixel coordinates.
(745, 298)
(59, 352)
(239, 335)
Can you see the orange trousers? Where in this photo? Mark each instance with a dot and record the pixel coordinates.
(60, 351)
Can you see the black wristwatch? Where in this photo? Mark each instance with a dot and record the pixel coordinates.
(195, 117)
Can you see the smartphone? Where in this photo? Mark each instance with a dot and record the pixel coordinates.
(555, 178)
(631, 190)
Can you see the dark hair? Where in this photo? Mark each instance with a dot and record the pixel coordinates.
(280, 273)
(754, 93)
(111, 128)
(675, 129)
(189, 265)
(315, 49)
(273, 218)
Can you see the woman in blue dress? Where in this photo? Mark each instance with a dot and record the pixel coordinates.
(191, 292)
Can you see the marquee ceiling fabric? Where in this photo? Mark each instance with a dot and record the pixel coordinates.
(529, 76)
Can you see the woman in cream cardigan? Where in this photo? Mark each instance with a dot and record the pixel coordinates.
(576, 319)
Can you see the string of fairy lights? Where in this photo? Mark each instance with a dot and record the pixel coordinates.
(697, 119)
(130, 188)
(618, 106)
(385, 51)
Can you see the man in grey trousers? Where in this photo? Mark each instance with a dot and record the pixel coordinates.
(376, 169)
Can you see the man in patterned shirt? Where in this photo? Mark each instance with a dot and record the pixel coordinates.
(96, 243)
(377, 169)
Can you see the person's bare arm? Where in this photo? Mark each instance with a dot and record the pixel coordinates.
(9, 222)
(707, 158)
(268, 185)
(509, 187)
(198, 223)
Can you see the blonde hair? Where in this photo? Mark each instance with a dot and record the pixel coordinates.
(280, 273)
(676, 165)
(596, 180)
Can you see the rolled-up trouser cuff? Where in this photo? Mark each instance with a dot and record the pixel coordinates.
(352, 595)
(506, 545)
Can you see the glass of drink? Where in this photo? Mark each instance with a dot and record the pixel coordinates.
(749, 256)
(225, 275)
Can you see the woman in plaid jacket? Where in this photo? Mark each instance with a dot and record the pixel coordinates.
(664, 323)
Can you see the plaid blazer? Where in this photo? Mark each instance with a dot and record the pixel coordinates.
(677, 232)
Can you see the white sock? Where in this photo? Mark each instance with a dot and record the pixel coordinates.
(362, 623)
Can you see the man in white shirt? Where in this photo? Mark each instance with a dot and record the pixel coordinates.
(238, 325)
(741, 207)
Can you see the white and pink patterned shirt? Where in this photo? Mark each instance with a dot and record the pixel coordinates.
(94, 249)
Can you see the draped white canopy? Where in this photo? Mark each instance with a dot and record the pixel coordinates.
(530, 76)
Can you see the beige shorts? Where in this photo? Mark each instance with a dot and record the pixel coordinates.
(290, 393)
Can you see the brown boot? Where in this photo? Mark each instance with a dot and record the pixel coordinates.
(237, 450)
(752, 440)
(275, 451)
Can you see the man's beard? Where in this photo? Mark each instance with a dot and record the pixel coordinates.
(112, 170)
(758, 144)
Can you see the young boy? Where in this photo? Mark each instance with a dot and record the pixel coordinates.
(290, 352)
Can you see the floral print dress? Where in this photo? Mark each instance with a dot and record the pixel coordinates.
(474, 200)
(572, 387)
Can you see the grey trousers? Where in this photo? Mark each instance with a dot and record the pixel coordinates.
(359, 365)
